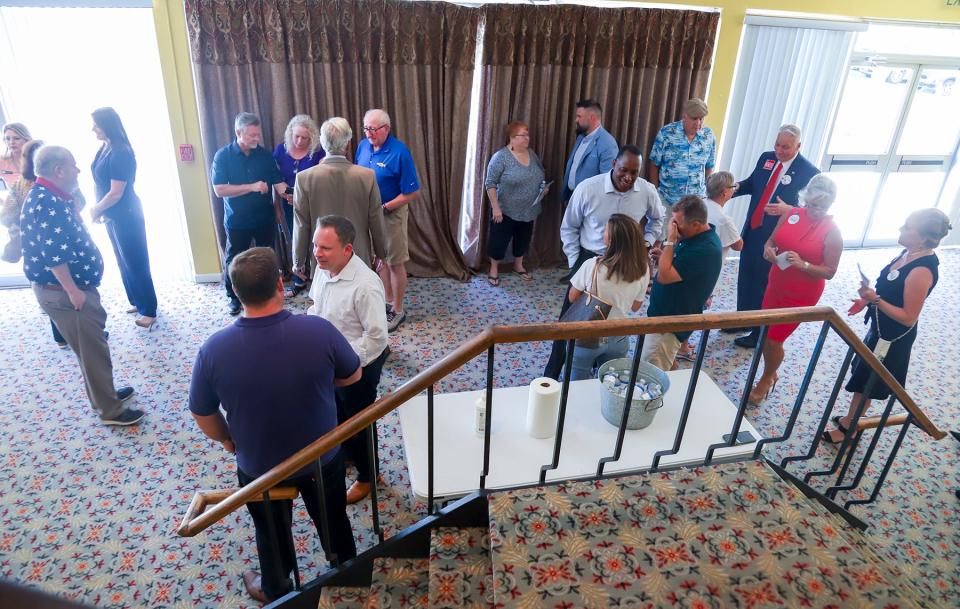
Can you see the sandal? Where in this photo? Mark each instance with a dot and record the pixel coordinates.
(526, 276)
(493, 280)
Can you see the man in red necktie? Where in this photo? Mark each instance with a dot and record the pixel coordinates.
(776, 181)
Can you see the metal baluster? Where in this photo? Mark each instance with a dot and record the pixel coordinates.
(430, 449)
(886, 466)
(486, 423)
(832, 491)
(622, 430)
(328, 552)
(804, 386)
(687, 401)
(822, 426)
(744, 399)
(564, 392)
(848, 438)
(274, 535)
(375, 476)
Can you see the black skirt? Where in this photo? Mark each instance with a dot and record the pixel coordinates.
(896, 361)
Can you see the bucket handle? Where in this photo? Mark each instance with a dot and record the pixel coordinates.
(652, 405)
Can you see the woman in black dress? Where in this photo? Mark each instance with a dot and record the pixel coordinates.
(114, 171)
(893, 309)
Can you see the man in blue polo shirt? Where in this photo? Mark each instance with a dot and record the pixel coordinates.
(65, 267)
(391, 161)
(686, 274)
(243, 172)
(274, 374)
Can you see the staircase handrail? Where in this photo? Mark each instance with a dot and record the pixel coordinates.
(199, 518)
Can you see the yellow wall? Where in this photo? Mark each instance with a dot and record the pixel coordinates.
(181, 97)
(185, 126)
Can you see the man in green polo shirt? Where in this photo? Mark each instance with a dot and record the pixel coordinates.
(687, 273)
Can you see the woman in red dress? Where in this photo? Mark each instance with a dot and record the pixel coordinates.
(807, 244)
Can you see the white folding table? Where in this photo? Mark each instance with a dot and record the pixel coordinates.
(516, 458)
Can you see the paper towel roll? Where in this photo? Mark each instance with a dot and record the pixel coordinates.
(543, 406)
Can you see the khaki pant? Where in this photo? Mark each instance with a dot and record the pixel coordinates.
(83, 331)
(395, 224)
(660, 350)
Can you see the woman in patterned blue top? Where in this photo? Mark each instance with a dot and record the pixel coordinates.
(515, 178)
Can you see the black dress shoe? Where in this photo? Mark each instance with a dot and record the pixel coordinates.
(956, 435)
(747, 342)
(234, 308)
(734, 330)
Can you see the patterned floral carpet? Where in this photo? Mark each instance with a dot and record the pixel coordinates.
(733, 535)
(89, 512)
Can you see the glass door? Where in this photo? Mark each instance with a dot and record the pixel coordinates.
(893, 142)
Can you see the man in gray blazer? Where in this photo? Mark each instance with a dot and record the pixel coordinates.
(337, 187)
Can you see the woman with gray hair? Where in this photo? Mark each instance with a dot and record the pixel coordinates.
(804, 250)
(893, 309)
(299, 150)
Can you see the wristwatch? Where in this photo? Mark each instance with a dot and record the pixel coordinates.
(666, 243)
(806, 265)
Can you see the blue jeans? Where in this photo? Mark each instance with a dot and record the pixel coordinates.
(586, 361)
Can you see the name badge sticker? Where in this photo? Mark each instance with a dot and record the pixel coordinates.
(769, 165)
(785, 180)
(793, 219)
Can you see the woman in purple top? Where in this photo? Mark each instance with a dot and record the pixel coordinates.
(299, 150)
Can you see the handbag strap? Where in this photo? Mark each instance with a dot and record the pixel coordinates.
(593, 281)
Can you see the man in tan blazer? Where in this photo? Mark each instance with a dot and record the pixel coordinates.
(337, 187)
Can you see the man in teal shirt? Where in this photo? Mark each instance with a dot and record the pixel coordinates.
(687, 272)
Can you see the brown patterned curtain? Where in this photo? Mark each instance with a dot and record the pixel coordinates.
(326, 58)
(538, 61)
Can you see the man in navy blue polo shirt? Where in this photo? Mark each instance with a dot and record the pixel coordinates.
(65, 267)
(243, 172)
(392, 162)
(274, 374)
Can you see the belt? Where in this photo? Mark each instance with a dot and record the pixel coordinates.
(59, 288)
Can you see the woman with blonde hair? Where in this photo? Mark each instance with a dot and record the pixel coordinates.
(15, 135)
(299, 150)
(620, 277)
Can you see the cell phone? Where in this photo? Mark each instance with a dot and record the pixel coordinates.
(288, 191)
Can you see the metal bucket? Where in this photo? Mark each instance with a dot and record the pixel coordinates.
(641, 411)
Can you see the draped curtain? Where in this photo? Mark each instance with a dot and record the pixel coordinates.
(538, 61)
(326, 58)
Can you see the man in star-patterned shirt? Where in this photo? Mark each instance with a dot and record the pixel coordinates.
(64, 266)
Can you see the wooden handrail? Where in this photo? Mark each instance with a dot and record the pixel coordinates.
(538, 332)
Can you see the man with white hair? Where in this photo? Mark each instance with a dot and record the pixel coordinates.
(337, 187)
(390, 159)
(774, 187)
(65, 267)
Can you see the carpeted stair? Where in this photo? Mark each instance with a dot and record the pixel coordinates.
(733, 535)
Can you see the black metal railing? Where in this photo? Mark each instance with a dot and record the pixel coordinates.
(841, 465)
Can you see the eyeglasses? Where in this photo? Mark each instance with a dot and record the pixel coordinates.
(373, 129)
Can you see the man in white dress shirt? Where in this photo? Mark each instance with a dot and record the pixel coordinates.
(620, 190)
(349, 295)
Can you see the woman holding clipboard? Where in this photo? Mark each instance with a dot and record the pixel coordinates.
(516, 188)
